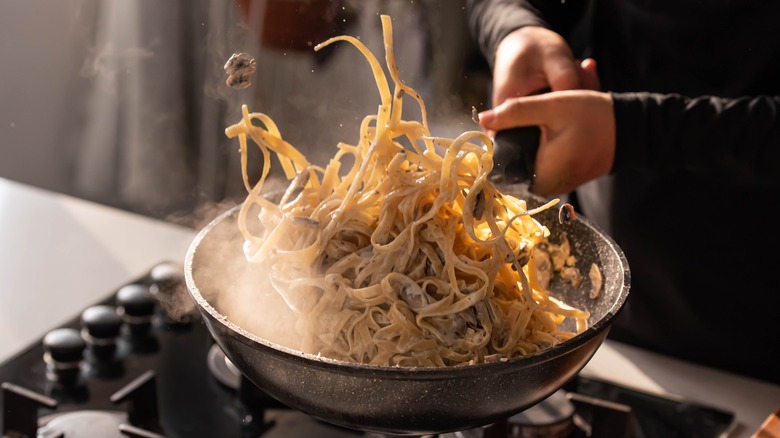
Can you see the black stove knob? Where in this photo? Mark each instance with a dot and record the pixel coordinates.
(136, 306)
(101, 326)
(166, 276)
(169, 289)
(63, 352)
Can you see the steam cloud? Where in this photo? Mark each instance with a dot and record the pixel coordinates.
(240, 290)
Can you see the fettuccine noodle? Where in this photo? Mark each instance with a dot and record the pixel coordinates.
(411, 257)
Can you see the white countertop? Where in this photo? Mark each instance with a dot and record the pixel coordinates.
(59, 255)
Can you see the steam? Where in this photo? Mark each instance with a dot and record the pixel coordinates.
(240, 290)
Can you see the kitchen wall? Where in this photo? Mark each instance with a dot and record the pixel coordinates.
(72, 86)
(124, 103)
(42, 51)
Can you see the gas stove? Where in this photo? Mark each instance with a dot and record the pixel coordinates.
(142, 364)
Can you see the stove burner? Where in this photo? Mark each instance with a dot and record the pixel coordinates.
(222, 368)
(551, 418)
(82, 423)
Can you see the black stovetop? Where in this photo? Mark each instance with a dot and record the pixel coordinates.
(191, 402)
(161, 381)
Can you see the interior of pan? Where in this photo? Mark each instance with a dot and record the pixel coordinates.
(590, 245)
(208, 281)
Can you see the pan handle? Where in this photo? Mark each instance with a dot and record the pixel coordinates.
(514, 154)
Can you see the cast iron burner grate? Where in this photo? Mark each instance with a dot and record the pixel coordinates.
(139, 419)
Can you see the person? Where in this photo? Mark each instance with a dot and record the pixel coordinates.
(661, 121)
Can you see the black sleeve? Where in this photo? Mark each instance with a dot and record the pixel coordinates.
(732, 140)
(492, 20)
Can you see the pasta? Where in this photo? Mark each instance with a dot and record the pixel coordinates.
(411, 256)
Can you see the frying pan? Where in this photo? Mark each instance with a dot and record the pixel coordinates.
(405, 400)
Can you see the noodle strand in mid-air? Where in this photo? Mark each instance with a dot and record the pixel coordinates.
(410, 257)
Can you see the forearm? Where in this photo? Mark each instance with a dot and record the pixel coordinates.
(734, 140)
(492, 20)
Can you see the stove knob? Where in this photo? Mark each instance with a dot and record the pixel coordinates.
(63, 352)
(136, 305)
(100, 329)
(166, 276)
(169, 289)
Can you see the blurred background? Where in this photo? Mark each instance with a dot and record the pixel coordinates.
(125, 103)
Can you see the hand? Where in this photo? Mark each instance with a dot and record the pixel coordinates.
(578, 135)
(532, 59)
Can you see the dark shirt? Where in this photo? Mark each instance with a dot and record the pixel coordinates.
(696, 178)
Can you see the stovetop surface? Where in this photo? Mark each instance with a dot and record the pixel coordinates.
(193, 403)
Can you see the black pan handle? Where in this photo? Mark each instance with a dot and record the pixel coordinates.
(514, 154)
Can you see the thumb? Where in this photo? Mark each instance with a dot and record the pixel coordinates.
(519, 111)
